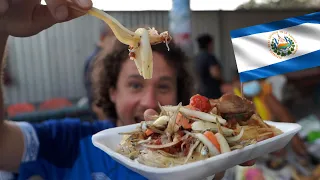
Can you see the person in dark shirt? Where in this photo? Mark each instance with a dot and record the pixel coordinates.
(208, 69)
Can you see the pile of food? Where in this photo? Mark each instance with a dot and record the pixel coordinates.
(200, 130)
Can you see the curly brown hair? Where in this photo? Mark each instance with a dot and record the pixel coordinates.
(107, 69)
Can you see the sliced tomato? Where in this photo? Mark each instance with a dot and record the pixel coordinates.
(200, 102)
(158, 141)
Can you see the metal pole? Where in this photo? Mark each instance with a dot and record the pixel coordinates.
(180, 25)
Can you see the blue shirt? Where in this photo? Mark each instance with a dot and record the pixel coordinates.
(62, 149)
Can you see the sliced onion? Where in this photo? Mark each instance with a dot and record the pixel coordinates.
(144, 59)
(154, 129)
(176, 128)
(198, 149)
(182, 144)
(213, 151)
(161, 122)
(203, 126)
(170, 127)
(198, 114)
(237, 147)
(236, 138)
(200, 126)
(191, 150)
(145, 141)
(162, 111)
(219, 128)
(224, 146)
(138, 60)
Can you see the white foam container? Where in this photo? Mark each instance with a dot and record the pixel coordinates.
(108, 140)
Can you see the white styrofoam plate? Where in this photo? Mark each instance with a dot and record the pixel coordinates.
(108, 140)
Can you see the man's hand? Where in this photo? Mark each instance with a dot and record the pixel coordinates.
(22, 18)
(150, 112)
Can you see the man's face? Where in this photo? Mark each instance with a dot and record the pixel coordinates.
(133, 94)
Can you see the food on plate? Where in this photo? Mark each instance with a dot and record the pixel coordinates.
(202, 129)
(139, 42)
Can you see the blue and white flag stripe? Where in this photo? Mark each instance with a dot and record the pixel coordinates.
(255, 58)
(313, 18)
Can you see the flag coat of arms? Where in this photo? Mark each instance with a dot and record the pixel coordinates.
(277, 47)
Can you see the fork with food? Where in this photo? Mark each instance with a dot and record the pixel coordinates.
(139, 42)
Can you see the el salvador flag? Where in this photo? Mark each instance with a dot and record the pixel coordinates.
(278, 47)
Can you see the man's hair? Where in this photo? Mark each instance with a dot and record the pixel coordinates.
(107, 70)
(204, 40)
(104, 30)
